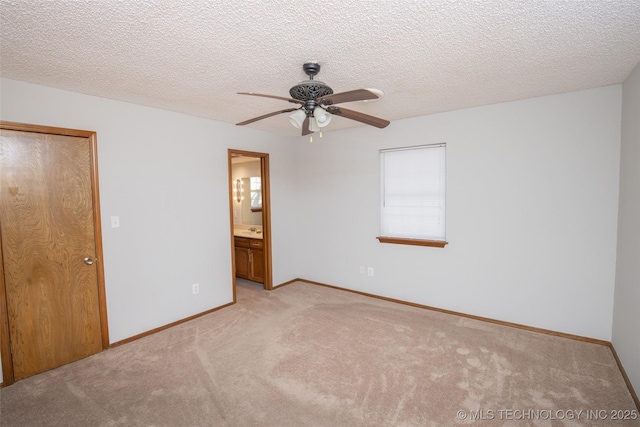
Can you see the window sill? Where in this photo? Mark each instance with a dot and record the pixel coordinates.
(415, 242)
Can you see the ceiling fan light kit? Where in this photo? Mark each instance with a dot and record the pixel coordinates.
(297, 118)
(317, 100)
(322, 117)
(313, 125)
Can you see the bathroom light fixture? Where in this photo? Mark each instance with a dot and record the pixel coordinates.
(238, 190)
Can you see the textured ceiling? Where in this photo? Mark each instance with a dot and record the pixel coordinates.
(426, 56)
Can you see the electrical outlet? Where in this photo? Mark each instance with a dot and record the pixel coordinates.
(362, 269)
(370, 271)
(195, 288)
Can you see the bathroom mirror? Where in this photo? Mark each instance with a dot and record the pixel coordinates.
(247, 209)
(251, 205)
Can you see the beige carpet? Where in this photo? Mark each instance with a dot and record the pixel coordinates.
(306, 355)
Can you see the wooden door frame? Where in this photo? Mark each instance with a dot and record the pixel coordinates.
(266, 215)
(5, 341)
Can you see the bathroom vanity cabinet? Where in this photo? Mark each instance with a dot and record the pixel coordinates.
(249, 258)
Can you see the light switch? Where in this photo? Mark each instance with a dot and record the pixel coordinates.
(115, 221)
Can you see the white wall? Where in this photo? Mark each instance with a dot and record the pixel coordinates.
(626, 312)
(532, 205)
(165, 174)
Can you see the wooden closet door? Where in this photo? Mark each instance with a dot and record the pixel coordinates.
(48, 250)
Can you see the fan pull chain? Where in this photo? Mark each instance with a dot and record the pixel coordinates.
(311, 137)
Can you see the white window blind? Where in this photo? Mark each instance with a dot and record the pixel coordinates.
(413, 192)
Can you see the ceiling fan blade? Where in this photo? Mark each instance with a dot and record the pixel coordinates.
(352, 95)
(359, 117)
(305, 127)
(275, 113)
(272, 96)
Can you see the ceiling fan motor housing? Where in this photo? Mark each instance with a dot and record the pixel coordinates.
(310, 89)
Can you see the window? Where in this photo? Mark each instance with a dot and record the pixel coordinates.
(256, 193)
(412, 195)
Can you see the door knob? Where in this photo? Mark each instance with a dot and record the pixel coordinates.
(88, 260)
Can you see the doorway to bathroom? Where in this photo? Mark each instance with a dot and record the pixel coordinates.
(250, 213)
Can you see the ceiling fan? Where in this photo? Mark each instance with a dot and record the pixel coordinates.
(317, 103)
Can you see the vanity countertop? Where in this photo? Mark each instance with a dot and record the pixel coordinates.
(239, 232)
